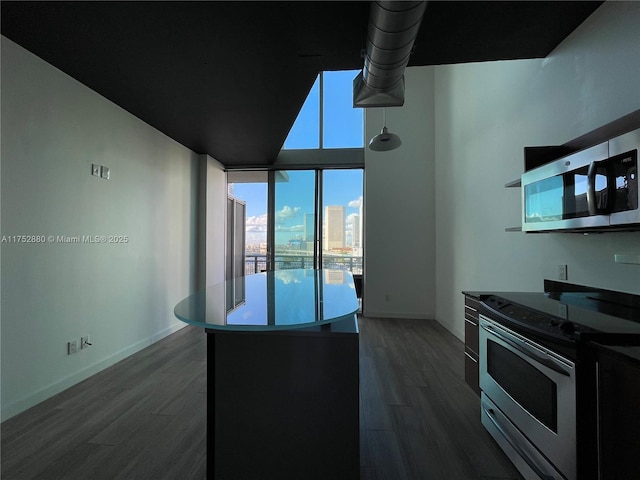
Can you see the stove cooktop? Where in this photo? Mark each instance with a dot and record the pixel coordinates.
(567, 311)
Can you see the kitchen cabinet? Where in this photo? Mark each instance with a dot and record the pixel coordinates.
(471, 341)
(618, 398)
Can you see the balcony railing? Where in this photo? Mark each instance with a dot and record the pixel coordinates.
(256, 263)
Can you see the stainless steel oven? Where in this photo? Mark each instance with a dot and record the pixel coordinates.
(528, 402)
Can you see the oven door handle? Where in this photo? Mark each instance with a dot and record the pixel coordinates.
(514, 445)
(523, 348)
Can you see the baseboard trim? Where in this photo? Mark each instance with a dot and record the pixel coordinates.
(19, 406)
(167, 331)
(408, 316)
(452, 328)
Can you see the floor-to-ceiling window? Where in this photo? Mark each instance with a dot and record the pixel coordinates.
(252, 189)
(342, 219)
(317, 220)
(295, 221)
(306, 211)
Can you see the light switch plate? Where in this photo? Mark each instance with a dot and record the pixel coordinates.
(95, 170)
(105, 172)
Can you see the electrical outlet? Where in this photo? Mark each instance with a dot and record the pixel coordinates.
(562, 272)
(85, 342)
(72, 347)
(105, 172)
(563, 311)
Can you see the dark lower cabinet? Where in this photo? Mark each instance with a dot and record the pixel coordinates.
(618, 416)
(284, 404)
(471, 342)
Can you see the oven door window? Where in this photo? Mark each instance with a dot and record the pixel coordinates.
(527, 385)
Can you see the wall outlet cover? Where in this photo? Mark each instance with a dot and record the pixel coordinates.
(562, 272)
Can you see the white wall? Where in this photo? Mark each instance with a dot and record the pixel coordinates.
(485, 114)
(399, 221)
(123, 295)
(212, 205)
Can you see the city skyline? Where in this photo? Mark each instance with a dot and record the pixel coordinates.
(295, 202)
(256, 229)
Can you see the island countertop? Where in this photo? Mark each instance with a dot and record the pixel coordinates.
(275, 300)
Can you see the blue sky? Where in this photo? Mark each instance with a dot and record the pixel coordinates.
(342, 125)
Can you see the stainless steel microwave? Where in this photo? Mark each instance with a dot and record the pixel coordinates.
(595, 188)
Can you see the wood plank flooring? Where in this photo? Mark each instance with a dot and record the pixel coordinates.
(144, 418)
(418, 418)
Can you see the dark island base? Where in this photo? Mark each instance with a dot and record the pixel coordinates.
(284, 404)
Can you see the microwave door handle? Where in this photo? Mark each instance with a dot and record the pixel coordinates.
(490, 414)
(528, 352)
(592, 200)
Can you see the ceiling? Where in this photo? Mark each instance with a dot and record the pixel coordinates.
(228, 78)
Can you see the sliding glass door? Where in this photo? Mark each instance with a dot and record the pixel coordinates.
(294, 226)
(342, 220)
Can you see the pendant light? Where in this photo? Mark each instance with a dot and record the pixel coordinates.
(384, 141)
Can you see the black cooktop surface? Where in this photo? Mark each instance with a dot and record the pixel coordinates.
(558, 309)
(566, 311)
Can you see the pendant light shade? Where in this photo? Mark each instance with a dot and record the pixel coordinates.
(384, 141)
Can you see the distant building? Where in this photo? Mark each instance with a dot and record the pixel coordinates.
(308, 227)
(356, 238)
(334, 219)
(334, 277)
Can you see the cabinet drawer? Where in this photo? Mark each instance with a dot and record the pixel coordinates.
(471, 370)
(471, 343)
(471, 335)
(472, 318)
(471, 305)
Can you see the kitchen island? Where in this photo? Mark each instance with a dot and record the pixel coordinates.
(282, 375)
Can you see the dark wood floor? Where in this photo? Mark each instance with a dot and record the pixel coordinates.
(144, 418)
(418, 418)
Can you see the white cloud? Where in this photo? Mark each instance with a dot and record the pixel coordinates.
(290, 276)
(286, 213)
(356, 203)
(257, 220)
(289, 228)
(256, 223)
